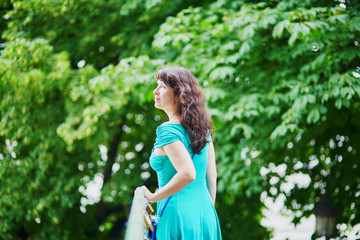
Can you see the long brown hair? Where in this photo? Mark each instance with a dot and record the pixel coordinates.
(192, 109)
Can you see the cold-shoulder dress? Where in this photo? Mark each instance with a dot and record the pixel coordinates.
(190, 213)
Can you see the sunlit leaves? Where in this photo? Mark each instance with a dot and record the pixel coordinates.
(282, 74)
(34, 81)
(95, 31)
(281, 79)
(55, 120)
(279, 28)
(221, 73)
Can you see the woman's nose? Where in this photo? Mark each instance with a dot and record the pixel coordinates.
(156, 91)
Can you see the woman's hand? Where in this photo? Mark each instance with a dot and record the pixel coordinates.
(148, 195)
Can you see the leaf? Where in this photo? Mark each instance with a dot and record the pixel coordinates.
(100, 83)
(216, 94)
(248, 32)
(325, 97)
(313, 116)
(282, 129)
(293, 38)
(338, 103)
(319, 61)
(221, 73)
(279, 28)
(228, 47)
(232, 59)
(357, 89)
(278, 132)
(247, 130)
(305, 30)
(245, 48)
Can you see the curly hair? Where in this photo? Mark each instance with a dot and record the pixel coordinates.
(192, 109)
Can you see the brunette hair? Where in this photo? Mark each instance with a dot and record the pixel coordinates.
(192, 109)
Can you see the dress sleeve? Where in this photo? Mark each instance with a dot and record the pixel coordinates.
(209, 138)
(166, 134)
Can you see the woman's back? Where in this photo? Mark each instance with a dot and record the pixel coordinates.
(190, 213)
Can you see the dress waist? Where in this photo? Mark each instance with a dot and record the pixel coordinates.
(200, 182)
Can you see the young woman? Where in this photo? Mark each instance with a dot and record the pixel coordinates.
(184, 160)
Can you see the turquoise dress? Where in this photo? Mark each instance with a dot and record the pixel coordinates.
(190, 213)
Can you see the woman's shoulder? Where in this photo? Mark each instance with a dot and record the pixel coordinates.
(171, 128)
(169, 125)
(167, 133)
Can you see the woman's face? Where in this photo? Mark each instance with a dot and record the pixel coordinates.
(164, 97)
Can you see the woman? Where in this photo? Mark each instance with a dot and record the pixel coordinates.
(184, 159)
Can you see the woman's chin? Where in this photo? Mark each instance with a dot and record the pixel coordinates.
(157, 105)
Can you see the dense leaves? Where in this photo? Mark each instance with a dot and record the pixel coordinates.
(283, 86)
(96, 31)
(282, 80)
(64, 134)
(33, 160)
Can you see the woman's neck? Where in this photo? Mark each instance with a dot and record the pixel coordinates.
(174, 118)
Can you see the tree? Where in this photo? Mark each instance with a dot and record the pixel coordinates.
(277, 75)
(106, 110)
(114, 110)
(54, 120)
(99, 32)
(283, 87)
(34, 81)
(5, 6)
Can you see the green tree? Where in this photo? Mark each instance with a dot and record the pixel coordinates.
(5, 7)
(94, 110)
(283, 87)
(99, 32)
(33, 85)
(281, 79)
(54, 122)
(114, 109)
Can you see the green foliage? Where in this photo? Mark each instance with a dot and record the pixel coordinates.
(54, 120)
(5, 6)
(237, 214)
(99, 32)
(282, 82)
(33, 85)
(278, 77)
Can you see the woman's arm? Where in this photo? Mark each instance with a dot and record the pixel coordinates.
(211, 173)
(186, 173)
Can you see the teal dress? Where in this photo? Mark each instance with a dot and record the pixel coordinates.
(190, 213)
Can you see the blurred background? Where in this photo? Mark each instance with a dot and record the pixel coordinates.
(77, 121)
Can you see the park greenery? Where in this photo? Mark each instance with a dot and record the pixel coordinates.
(282, 82)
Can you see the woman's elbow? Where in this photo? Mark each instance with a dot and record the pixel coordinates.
(212, 175)
(189, 176)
